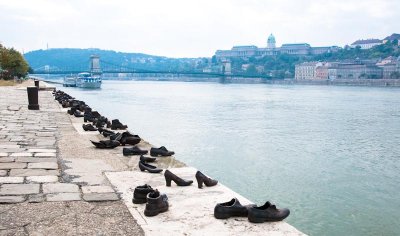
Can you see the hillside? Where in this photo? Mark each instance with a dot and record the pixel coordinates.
(78, 59)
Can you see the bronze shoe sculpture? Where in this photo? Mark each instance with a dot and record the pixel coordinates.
(169, 176)
(201, 178)
(156, 203)
(267, 213)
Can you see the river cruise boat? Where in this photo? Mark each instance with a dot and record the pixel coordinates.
(87, 80)
(69, 81)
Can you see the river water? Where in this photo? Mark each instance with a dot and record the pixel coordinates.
(330, 154)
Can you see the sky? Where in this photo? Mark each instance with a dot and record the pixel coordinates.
(191, 28)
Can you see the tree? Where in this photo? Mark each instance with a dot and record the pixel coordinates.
(13, 62)
(395, 75)
(251, 70)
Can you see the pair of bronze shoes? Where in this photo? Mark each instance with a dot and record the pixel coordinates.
(200, 177)
(265, 213)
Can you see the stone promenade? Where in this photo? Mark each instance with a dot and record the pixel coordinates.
(48, 187)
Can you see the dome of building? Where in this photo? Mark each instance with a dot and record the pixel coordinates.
(271, 41)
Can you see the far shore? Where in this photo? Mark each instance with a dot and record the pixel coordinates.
(255, 80)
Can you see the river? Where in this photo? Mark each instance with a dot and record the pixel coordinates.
(328, 153)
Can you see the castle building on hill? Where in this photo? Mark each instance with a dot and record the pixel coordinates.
(271, 49)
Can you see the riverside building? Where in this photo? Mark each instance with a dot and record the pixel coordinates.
(338, 70)
(271, 49)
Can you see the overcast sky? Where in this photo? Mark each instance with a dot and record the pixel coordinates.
(191, 28)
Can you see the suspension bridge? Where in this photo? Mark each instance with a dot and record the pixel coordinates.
(110, 68)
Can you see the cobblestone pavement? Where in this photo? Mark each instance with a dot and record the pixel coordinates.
(35, 178)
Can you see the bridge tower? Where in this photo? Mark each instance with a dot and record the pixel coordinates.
(95, 65)
(226, 67)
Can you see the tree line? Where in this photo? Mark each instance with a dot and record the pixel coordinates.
(12, 64)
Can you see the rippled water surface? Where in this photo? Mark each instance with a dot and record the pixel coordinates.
(330, 154)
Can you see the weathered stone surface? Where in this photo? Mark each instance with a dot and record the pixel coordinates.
(17, 139)
(62, 197)
(68, 218)
(36, 198)
(43, 165)
(11, 180)
(42, 150)
(45, 134)
(12, 199)
(44, 154)
(7, 159)
(21, 154)
(96, 197)
(3, 172)
(97, 189)
(19, 189)
(5, 146)
(12, 165)
(3, 154)
(35, 159)
(60, 188)
(33, 172)
(42, 179)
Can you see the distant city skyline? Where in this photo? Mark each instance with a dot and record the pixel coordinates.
(191, 28)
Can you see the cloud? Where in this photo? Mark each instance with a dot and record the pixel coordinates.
(190, 28)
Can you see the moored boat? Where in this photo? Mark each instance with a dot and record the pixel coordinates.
(69, 81)
(87, 80)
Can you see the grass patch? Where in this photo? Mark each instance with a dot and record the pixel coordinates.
(7, 82)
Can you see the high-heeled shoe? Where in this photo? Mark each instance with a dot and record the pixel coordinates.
(201, 178)
(169, 176)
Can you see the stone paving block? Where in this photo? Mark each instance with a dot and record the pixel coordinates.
(7, 159)
(12, 199)
(35, 159)
(45, 134)
(43, 165)
(18, 139)
(12, 165)
(97, 189)
(12, 149)
(97, 197)
(3, 172)
(42, 150)
(3, 154)
(33, 172)
(19, 189)
(6, 146)
(63, 197)
(11, 180)
(45, 154)
(42, 179)
(21, 154)
(60, 188)
(36, 198)
(46, 143)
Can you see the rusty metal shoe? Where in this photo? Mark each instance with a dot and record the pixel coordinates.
(150, 168)
(267, 213)
(231, 209)
(89, 127)
(106, 144)
(140, 194)
(147, 159)
(133, 151)
(156, 203)
(161, 151)
(201, 178)
(169, 176)
(116, 124)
